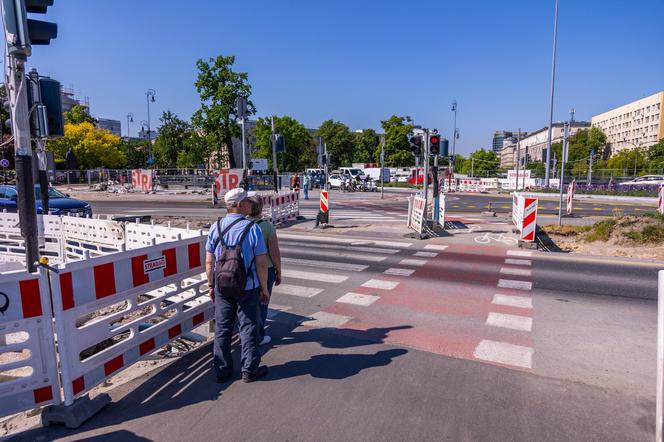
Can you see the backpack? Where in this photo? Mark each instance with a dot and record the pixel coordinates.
(230, 275)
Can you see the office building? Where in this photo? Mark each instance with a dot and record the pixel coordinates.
(533, 146)
(636, 124)
(113, 126)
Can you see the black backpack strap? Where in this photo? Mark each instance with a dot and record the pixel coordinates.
(221, 234)
(245, 232)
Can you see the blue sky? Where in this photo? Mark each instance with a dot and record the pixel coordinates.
(361, 61)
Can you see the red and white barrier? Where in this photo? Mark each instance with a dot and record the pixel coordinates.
(225, 180)
(571, 187)
(141, 180)
(471, 185)
(416, 214)
(660, 202)
(27, 347)
(162, 286)
(524, 216)
(441, 210)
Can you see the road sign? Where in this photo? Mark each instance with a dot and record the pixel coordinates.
(4, 163)
(259, 164)
(150, 161)
(141, 180)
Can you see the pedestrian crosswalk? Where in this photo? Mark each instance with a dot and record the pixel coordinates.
(361, 214)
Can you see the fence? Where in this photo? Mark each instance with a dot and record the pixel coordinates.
(123, 291)
(416, 213)
(524, 216)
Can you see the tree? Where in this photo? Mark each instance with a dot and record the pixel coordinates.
(628, 160)
(481, 163)
(367, 144)
(340, 142)
(173, 134)
(194, 153)
(219, 87)
(79, 114)
(582, 143)
(300, 148)
(135, 153)
(93, 147)
(397, 147)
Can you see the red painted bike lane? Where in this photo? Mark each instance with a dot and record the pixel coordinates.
(448, 306)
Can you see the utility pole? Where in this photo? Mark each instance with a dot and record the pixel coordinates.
(426, 172)
(518, 160)
(454, 137)
(525, 162)
(274, 158)
(41, 128)
(149, 95)
(382, 165)
(562, 173)
(472, 167)
(590, 169)
(553, 82)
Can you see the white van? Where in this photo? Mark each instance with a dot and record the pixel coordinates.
(353, 172)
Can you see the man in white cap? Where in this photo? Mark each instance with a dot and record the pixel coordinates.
(238, 250)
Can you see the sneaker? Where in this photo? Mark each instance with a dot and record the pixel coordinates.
(251, 377)
(266, 340)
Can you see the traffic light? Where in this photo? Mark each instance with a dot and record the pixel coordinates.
(279, 143)
(416, 145)
(434, 144)
(22, 32)
(47, 116)
(444, 147)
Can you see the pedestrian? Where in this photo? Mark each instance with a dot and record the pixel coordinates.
(296, 183)
(273, 258)
(236, 268)
(305, 185)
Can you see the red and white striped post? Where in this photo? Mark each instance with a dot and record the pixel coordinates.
(324, 211)
(660, 201)
(571, 187)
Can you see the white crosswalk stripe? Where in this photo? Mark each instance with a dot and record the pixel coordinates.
(312, 276)
(325, 264)
(331, 254)
(289, 243)
(296, 290)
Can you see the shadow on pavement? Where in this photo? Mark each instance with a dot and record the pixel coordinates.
(190, 380)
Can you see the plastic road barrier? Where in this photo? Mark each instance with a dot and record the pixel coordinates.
(571, 187)
(416, 214)
(524, 216)
(660, 202)
(27, 347)
(12, 244)
(324, 211)
(114, 309)
(441, 210)
(141, 180)
(225, 180)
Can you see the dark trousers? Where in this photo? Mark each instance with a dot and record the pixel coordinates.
(247, 311)
(271, 278)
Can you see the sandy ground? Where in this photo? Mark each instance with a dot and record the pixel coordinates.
(608, 248)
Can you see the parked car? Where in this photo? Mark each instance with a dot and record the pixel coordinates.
(334, 180)
(645, 180)
(58, 203)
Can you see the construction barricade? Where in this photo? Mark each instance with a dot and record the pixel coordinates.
(524, 216)
(660, 200)
(416, 213)
(12, 244)
(112, 310)
(441, 210)
(571, 187)
(141, 180)
(28, 365)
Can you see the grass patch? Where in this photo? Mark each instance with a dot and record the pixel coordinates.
(407, 185)
(600, 231)
(647, 229)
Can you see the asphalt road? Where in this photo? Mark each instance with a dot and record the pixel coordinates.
(456, 203)
(394, 339)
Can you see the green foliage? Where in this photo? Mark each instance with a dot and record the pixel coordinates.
(194, 153)
(397, 147)
(340, 142)
(218, 86)
(600, 231)
(93, 147)
(584, 141)
(135, 153)
(367, 147)
(481, 163)
(629, 159)
(300, 148)
(79, 114)
(4, 113)
(537, 168)
(173, 134)
(656, 151)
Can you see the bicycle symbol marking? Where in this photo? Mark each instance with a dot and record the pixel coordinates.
(488, 237)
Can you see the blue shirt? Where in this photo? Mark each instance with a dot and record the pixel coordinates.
(252, 246)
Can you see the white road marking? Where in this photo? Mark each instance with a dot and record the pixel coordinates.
(519, 262)
(399, 272)
(316, 238)
(348, 248)
(338, 254)
(425, 254)
(311, 276)
(203, 373)
(514, 322)
(513, 301)
(513, 284)
(173, 379)
(515, 271)
(325, 264)
(412, 262)
(296, 290)
(435, 247)
(504, 353)
(324, 319)
(380, 284)
(519, 253)
(358, 299)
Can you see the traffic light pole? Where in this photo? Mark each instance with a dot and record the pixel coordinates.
(382, 166)
(426, 173)
(274, 159)
(27, 211)
(434, 175)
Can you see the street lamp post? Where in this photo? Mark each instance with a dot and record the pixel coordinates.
(130, 119)
(149, 95)
(455, 135)
(553, 82)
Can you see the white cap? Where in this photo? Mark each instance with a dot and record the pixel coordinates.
(234, 196)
